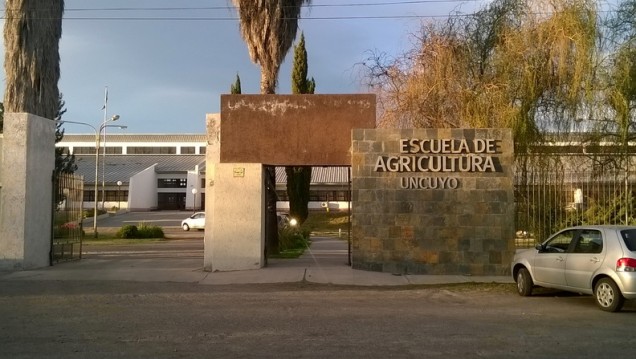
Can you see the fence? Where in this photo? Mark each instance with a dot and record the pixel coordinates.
(553, 192)
(67, 218)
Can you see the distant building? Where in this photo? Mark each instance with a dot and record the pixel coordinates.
(160, 172)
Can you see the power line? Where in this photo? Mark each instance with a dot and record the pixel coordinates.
(312, 5)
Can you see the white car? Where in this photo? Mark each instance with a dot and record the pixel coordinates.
(195, 221)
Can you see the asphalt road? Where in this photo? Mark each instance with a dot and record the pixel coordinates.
(177, 320)
(158, 218)
(119, 319)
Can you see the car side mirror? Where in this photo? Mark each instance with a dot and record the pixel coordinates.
(540, 247)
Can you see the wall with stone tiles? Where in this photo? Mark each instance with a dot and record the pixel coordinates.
(465, 228)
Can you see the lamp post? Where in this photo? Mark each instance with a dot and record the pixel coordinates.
(194, 203)
(114, 118)
(118, 198)
(97, 135)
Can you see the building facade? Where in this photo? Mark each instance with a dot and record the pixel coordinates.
(145, 172)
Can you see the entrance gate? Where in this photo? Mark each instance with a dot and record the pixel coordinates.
(67, 231)
(253, 133)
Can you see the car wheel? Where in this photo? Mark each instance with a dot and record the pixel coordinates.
(186, 227)
(524, 282)
(608, 296)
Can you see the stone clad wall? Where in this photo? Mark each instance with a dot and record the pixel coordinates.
(433, 213)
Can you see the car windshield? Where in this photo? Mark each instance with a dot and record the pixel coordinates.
(629, 237)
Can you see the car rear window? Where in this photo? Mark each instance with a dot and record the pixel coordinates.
(629, 237)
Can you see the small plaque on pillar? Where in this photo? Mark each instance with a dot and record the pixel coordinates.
(238, 172)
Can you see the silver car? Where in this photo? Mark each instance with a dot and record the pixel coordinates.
(195, 221)
(596, 260)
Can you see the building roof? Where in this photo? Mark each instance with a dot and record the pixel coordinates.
(123, 167)
(125, 137)
(320, 175)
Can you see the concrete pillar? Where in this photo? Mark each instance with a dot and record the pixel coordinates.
(235, 217)
(26, 194)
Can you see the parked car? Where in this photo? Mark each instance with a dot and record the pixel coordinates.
(195, 221)
(596, 260)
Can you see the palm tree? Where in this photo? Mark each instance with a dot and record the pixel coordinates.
(32, 32)
(269, 29)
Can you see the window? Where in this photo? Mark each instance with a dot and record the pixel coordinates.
(326, 196)
(589, 241)
(560, 242)
(282, 195)
(629, 237)
(137, 150)
(84, 150)
(89, 196)
(116, 150)
(202, 150)
(172, 183)
(187, 150)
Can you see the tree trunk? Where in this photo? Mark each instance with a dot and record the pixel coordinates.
(32, 32)
(298, 184)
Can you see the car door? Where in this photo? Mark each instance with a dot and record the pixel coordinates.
(549, 263)
(585, 259)
(199, 220)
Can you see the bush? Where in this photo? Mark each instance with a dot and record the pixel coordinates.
(145, 231)
(290, 238)
(127, 231)
(142, 232)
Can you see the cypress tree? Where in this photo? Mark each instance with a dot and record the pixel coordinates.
(299, 177)
(235, 89)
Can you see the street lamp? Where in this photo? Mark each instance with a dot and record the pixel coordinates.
(97, 135)
(118, 198)
(194, 204)
(114, 118)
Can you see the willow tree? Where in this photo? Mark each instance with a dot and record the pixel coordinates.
(269, 29)
(620, 77)
(524, 65)
(32, 31)
(299, 177)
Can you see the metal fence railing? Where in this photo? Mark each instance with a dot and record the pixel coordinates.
(67, 218)
(553, 193)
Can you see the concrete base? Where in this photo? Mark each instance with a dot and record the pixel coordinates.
(26, 194)
(235, 217)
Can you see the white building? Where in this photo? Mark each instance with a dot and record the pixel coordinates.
(167, 172)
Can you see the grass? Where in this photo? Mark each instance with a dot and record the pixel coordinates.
(107, 236)
(321, 223)
(289, 253)
(119, 241)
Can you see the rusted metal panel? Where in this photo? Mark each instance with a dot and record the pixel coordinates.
(293, 129)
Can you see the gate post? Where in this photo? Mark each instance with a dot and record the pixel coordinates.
(26, 197)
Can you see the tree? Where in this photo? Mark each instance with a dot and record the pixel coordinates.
(299, 177)
(32, 31)
(269, 28)
(524, 65)
(235, 88)
(64, 162)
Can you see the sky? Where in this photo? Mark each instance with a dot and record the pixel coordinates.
(165, 63)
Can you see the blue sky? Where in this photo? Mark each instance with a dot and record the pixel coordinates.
(164, 74)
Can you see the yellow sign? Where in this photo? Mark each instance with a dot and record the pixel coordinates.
(239, 172)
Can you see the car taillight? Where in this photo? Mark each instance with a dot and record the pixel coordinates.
(626, 265)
